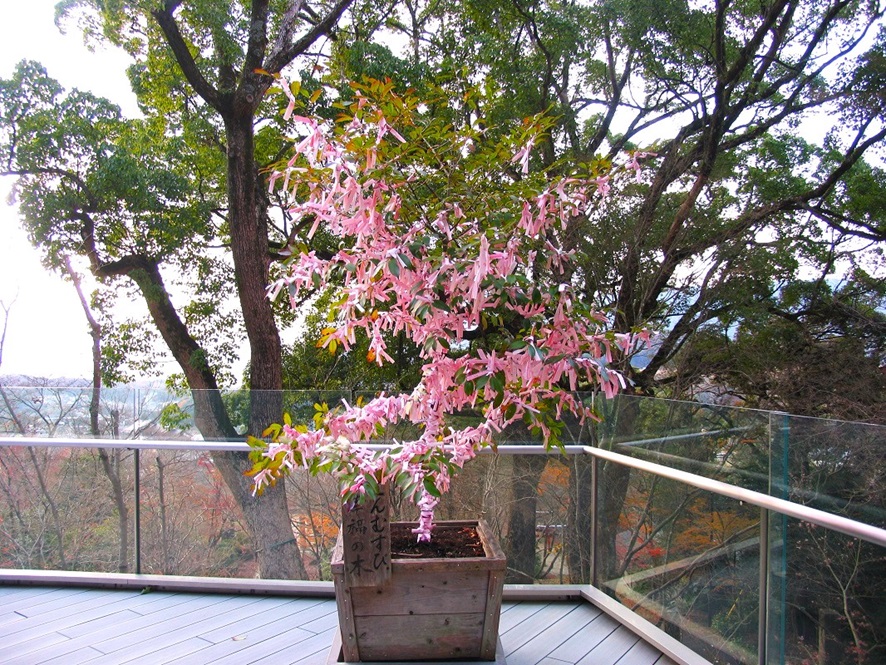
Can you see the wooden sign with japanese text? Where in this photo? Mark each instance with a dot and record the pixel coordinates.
(366, 539)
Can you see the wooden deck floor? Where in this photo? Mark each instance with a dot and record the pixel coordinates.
(103, 627)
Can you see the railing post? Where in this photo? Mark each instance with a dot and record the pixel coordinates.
(776, 530)
(138, 521)
(763, 611)
(595, 503)
(594, 520)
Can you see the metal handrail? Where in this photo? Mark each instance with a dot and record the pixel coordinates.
(241, 446)
(822, 518)
(122, 444)
(868, 532)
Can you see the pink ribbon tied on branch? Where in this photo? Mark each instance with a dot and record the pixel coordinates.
(426, 505)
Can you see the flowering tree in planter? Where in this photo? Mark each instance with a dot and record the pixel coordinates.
(446, 237)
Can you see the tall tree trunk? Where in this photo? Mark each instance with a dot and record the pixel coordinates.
(521, 527)
(164, 525)
(268, 518)
(578, 520)
(112, 471)
(110, 467)
(250, 249)
(613, 484)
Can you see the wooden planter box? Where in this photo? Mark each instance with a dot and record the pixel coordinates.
(429, 609)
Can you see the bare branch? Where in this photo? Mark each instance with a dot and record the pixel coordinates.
(278, 59)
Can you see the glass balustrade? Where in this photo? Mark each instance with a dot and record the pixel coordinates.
(735, 583)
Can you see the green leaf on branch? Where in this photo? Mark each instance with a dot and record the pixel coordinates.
(431, 487)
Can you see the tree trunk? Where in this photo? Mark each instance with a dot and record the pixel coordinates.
(268, 518)
(268, 521)
(164, 524)
(613, 485)
(277, 551)
(578, 521)
(249, 245)
(521, 527)
(112, 471)
(111, 468)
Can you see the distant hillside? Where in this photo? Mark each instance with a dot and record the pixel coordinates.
(26, 381)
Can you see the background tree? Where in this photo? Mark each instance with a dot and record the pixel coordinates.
(735, 194)
(792, 356)
(201, 76)
(309, 366)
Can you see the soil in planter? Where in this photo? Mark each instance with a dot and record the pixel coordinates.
(447, 542)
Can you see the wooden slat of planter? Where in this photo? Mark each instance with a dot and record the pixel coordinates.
(495, 590)
(415, 592)
(346, 627)
(408, 638)
(490, 543)
(454, 565)
(492, 609)
(344, 605)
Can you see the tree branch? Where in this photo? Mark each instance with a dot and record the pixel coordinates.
(285, 52)
(258, 35)
(183, 56)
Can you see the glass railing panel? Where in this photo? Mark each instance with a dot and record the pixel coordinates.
(49, 410)
(527, 500)
(834, 466)
(833, 604)
(189, 522)
(315, 507)
(685, 559)
(827, 588)
(707, 439)
(66, 509)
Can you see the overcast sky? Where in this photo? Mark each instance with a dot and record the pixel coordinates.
(47, 333)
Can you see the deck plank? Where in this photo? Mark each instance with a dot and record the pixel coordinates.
(77, 657)
(187, 648)
(274, 647)
(89, 633)
(63, 617)
(167, 631)
(517, 614)
(640, 654)
(540, 622)
(294, 611)
(69, 626)
(40, 599)
(579, 645)
(611, 650)
(21, 652)
(537, 650)
(262, 630)
(313, 651)
(9, 592)
(236, 649)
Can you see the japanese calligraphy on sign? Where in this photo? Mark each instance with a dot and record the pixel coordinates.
(366, 537)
